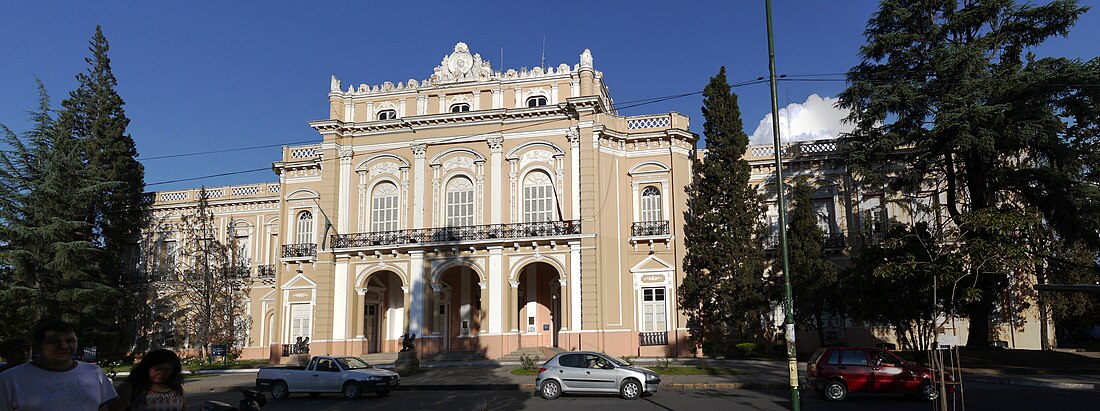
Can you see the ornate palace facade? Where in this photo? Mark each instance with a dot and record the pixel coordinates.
(483, 210)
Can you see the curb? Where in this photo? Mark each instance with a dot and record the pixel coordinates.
(1026, 383)
(518, 387)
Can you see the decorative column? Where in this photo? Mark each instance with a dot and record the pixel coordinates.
(496, 285)
(437, 300)
(496, 186)
(360, 305)
(575, 285)
(498, 98)
(476, 104)
(513, 305)
(416, 292)
(574, 137)
(421, 105)
(554, 93)
(419, 175)
(344, 190)
(340, 302)
(563, 312)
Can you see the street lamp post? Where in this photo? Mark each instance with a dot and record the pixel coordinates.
(788, 322)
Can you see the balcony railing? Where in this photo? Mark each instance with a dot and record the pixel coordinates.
(452, 234)
(241, 271)
(649, 228)
(653, 338)
(299, 250)
(265, 271)
(828, 241)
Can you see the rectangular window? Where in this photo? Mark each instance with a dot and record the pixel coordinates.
(653, 309)
(299, 321)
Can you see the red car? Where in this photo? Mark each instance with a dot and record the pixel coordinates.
(836, 371)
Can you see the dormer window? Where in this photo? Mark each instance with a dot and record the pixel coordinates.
(460, 108)
(536, 101)
(387, 115)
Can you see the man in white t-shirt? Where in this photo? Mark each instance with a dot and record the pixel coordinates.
(55, 381)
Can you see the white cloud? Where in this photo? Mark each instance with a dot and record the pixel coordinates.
(817, 118)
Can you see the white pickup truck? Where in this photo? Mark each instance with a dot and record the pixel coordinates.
(348, 375)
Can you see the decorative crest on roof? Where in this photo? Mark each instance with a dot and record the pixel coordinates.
(461, 66)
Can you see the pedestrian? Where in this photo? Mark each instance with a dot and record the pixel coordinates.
(15, 351)
(54, 381)
(155, 384)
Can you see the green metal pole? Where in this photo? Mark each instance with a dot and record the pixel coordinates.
(788, 323)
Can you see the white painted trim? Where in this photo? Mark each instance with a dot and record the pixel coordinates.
(340, 301)
(575, 285)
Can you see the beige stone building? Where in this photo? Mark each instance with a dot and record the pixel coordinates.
(487, 210)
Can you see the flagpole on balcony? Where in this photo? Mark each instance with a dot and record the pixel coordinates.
(788, 323)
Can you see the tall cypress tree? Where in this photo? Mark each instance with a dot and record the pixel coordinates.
(812, 274)
(723, 290)
(949, 90)
(93, 115)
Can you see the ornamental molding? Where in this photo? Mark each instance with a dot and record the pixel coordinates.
(385, 167)
(536, 156)
(419, 150)
(458, 162)
(496, 144)
(460, 66)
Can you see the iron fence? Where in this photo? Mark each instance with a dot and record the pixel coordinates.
(649, 228)
(299, 250)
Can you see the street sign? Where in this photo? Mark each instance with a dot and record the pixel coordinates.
(218, 350)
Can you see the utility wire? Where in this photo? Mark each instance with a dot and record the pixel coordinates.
(638, 103)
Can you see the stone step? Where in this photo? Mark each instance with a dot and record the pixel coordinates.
(543, 354)
(457, 356)
(381, 358)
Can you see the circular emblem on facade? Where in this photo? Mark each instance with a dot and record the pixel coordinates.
(461, 63)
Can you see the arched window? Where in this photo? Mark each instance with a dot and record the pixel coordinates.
(460, 108)
(305, 227)
(536, 101)
(651, 204)
(387, 115)
(460, 202)
(384, 207)
(538, 198)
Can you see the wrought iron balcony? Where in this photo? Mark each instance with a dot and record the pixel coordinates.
(454, 234)
(299, 250)
(649, 228)
(828, 241)
(265, 271)
(653, 338)
(240, 271)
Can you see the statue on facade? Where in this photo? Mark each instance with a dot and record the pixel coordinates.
(407, 342)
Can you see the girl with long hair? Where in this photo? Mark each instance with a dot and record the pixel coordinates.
(155, 384)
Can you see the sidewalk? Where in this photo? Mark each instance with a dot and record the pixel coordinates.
(752, 374)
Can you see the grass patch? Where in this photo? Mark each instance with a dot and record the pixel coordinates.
(686, 370)
(525, 371)
(1024, 359)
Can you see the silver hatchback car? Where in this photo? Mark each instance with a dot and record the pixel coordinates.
(591, 372)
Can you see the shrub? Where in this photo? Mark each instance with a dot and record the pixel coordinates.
(712, 349)
(629, 359)
(663, 363)
(529, 362)
(749, 349)
(194, 365)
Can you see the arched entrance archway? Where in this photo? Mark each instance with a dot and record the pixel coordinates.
(539, 305)
(381, 311)
(458, 314)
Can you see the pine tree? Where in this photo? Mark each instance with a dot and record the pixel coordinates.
(93, 116)
(812, 274)
(48, 253)
(950, 91)
(723, 289)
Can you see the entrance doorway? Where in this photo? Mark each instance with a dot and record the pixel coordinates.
(371, 327)
(539, 305)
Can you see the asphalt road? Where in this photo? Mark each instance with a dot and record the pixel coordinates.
(979, 397)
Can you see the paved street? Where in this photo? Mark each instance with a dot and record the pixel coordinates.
(978, 397)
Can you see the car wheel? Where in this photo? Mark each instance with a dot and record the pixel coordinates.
(835, 391)
(383, 393)
(550, 389)
(928, 392)
(279, 390)
(351, 390)
(631, 389)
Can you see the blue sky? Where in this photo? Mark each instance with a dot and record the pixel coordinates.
(200, 76)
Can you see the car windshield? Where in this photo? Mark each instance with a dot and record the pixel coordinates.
(353, 363)
(618, 361)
